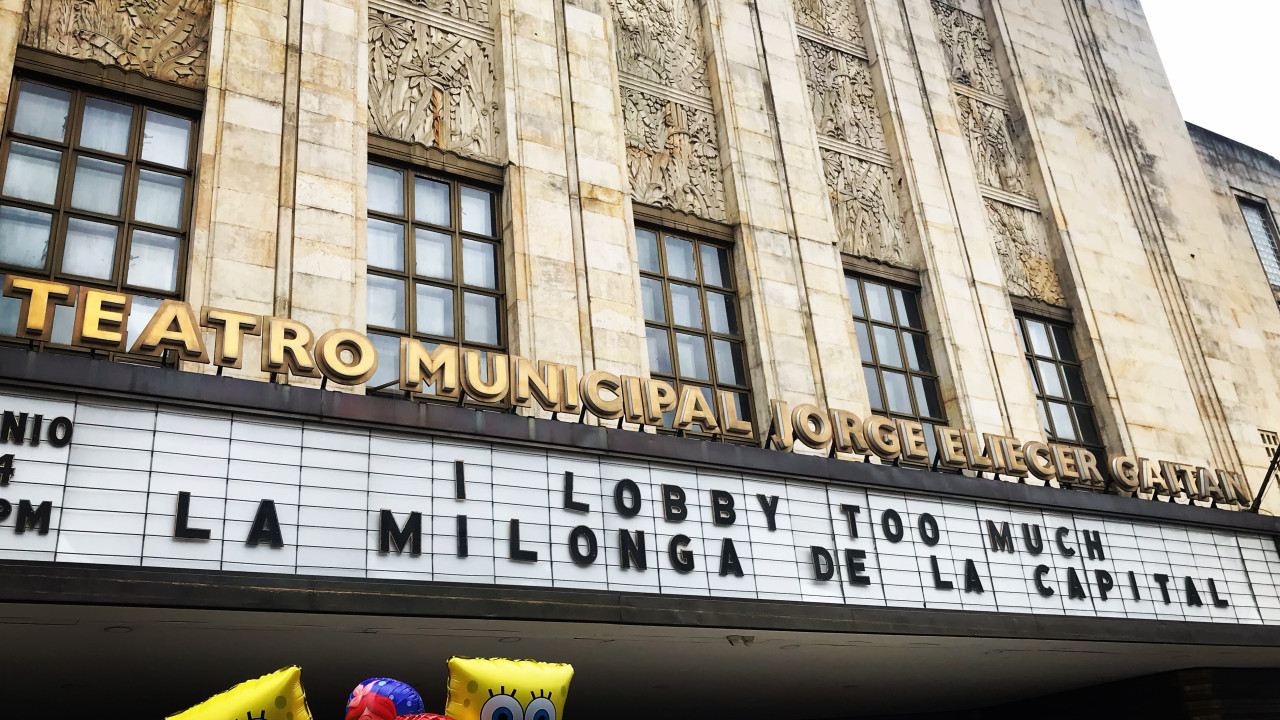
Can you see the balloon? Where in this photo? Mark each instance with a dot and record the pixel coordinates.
(383, 698)
(499, 689)
(422, 716)
(278, 696)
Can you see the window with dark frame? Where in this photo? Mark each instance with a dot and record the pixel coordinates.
(95, 190)
(897, 366)
(435, 270)
(693, 326)
(1262, 228)
(1062, 400)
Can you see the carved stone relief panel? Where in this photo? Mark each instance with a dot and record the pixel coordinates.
(162, 39)
(1023, 246)
(431, 86)
(672, 158)
(865, 206)
(661, 41)
(968, 48)
(841, 95)
(996, 157)
(830, 17)
(476, 11)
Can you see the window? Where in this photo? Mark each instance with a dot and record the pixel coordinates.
(1263, 231)
(435, 266)
(1270, 441)
(902, 381)
(692, 325)
(1063, 404)
(94, 190)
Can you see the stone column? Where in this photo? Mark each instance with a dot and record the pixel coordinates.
(11, 18)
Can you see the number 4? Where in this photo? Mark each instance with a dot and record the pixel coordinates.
(6, 469)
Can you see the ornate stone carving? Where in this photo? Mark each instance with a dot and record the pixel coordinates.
(968, 48)
(661, 41)
(672, 158)
(830, 17)
(1023, 246)
(996, 157)
(865, 206)
(431, 86)
(476, 11)
(841, 95)
(163, 39)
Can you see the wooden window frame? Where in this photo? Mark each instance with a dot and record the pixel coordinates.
(1033, 359)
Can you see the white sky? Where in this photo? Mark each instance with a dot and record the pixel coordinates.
(1223, 60)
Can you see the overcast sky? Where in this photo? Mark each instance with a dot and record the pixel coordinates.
(1223, 60)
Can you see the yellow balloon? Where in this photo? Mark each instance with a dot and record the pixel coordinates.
(499, 689)
(278, 696)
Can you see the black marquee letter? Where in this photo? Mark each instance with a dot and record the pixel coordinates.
(851, 512)
(1133, 585)
(1075, 590)
(1001, 539)
(1093, 543)
(626, 487)
(681, 559)
(6, 509)
(513, 545)
(938, 582)
(1045, 590)
(459, 480)
(569, 502)
(824, 566)
(1034, 547)
(581, 557)
(631, 549)
(266, 526)
(972, 580)
(1193, 595)
(1060, 536)
(1105, 583)
(729, 562)
(181, 518)
(390, 533)
(929, 532)
(1163, 581)
(769, 503)
(37, 518)
(855, 560)
(673, 503)
(1213, 595)
(60, 432)
(13, 428)
(722, 512)
(462, 536)
(891, 523)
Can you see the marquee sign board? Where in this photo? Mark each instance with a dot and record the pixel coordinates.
(88, 479)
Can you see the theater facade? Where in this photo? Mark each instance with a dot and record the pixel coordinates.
(812, 359)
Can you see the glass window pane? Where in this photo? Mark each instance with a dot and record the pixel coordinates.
(434, 307)
(715, 267)
(873, 388)
(1044, 419)
(42, 111)
(1088, 430)
(930, 440)
(738, 404)
(1049, 378)
(90, 249)
(917, 351)
(433, 254)
(431, 202)
(1257, 217)
(481, 315)
(659, 351)
(384, 298)
(477, 211)
(729, 366)
(1062, 341)
(480, 264)
(722, 313)
(153, 261)
(1038, 334)
(388, 370)
(1062, 422)
(655, 308)
(680, 259)
(385, 190)
(386, 244)
(1022, 338)
(140, 313)
(9, 310)
(864, 342)
(896, 392)
(878, 302)
(887, 346)
(165, 139)
(64, 319)
(32, 173)
(855, 296)
(686, 309)
(98, 185)
(106, 126)
(647, 249)
(24, 236)
(927, 397)
(1075, 383)
(908, 308)
(159, 199)
(691, 351)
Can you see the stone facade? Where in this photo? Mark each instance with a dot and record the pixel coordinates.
(1012, 155)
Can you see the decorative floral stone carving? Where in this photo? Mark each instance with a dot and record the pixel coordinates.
(996, 157)
(672, 158)
(661, 41)
(1023, 247)
(163, 39)
(835, 18)
(476, 11)
(865, 206)
(968, 48)
(841, 95)
(431, 86)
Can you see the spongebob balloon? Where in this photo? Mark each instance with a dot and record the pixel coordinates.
(278, 696)
(498, 689)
